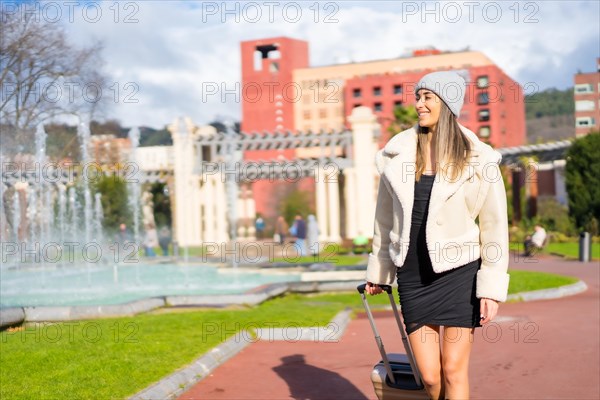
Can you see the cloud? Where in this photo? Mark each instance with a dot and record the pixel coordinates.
(176, 48)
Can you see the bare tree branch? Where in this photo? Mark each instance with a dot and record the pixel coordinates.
(42, 75)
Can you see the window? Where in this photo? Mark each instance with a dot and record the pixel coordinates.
(397, 89)
(377, 107)
(482, 81)
(306, 114)
(484, 131)
(377, 91)
(483, 98)
(484, 115)
(397, 103)
(584, 105)
(584, 122)
(583, 88)
(323, 113)
(356, 93)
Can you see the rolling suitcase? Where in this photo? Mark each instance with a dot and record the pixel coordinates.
(396, 376)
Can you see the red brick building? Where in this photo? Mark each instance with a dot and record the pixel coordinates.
(587, 102)
(493, 108)
(281, 92)
(267, 84)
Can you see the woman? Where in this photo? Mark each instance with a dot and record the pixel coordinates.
(436, 179)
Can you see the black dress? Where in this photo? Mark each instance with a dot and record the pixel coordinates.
(447, 298)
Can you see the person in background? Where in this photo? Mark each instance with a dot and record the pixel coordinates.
(123, 235)
(535, 242)
(312, 235)
(281, 229)
(259, 225)
(150, 240)
(299, 231)
(164, 239)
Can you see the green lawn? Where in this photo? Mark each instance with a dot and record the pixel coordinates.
(568, 249)
(571, 250)
(115, 358)
(526, 281)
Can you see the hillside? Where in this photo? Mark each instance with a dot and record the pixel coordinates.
(550, 115)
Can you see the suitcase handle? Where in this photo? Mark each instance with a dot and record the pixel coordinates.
(386, 288)
(411, 359)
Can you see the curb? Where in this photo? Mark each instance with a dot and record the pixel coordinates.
(18, 315)
(548, 294)
(178, 382)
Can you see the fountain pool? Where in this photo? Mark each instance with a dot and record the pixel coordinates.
(56, 286)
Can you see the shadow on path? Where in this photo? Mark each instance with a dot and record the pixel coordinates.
(309, 382)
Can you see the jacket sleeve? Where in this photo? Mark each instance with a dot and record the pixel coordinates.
(380, 268)
(492, 278)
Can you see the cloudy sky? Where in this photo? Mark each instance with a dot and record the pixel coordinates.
(161, 52)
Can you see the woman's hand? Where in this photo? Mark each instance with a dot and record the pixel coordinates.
(488, 309)
(373, 289)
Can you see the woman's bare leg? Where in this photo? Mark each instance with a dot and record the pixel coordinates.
(425, 344)
(456, 350)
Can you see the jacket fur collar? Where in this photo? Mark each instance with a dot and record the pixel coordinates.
(397, 163)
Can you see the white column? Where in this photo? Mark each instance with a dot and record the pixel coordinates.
(195, 219)
(333, 203)
(364, 124)
(209, 207)
(221, 231)
(249, 214)
(559, 181)
(350, 196)
(321, 198)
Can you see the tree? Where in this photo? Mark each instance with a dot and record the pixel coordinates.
(296, 203)
(114, 201)
(583, 181)
(162, 204)
(42, 75)
(404, 118)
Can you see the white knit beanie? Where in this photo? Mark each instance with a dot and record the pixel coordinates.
(448, 85)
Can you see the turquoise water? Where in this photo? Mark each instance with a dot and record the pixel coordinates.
(70, 286)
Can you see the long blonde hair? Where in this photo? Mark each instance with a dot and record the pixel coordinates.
(452, 146)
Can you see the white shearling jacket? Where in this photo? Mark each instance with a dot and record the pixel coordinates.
(453, 237)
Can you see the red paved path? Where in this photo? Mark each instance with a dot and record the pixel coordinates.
(537, 350)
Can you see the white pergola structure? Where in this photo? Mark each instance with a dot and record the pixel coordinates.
(201, 162)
